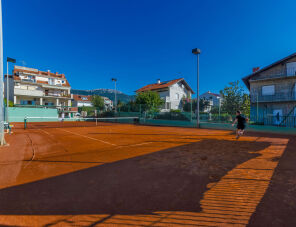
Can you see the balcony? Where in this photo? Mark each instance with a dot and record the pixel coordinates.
(58, 95)
(279, 97)
(25, 92)
(60, 108)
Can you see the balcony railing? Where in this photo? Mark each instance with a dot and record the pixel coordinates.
(279, 97)
(43, 106)
(57, 95)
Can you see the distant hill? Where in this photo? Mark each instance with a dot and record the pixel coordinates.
(105, 92)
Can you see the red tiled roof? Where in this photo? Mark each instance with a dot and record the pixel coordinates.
(161, 85)
(56, 75)
(79, 98)
(16, 77)
(41, 82)
(217, 95)
(41, 73)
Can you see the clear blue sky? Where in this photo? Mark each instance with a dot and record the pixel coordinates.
(139, 41)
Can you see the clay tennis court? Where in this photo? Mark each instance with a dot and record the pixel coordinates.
(134, 175)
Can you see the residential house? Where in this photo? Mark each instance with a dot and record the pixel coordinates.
(85, 100)
(82, 100)
(214, 99)
(108, 103)
(32, 87)
(172, 92)
(273, 92)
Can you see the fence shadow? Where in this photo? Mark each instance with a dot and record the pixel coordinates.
(278, 206)
(169, 180)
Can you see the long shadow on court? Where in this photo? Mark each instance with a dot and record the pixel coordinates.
(278, 206)
(169, 180)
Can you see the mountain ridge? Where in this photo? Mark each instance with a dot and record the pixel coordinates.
(109, 93)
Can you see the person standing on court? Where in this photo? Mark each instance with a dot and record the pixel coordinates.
(240, 120)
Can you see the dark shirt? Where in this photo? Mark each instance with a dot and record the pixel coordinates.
(241, 120)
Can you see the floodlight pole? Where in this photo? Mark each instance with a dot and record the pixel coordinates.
(2, 139)
(197, 51)
(7, 93)
(7, 85)
(115, 99)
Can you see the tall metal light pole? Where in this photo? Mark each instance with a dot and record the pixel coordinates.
(219, 98)
(197, 51)
(115, 99)
(2, 139)
(7, 86)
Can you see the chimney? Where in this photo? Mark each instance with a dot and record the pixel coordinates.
(255, 69)
(158, 81)
(48, 72)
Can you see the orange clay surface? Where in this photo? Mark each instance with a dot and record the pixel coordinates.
(131, 175)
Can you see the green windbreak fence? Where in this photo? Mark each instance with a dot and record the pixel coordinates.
(151, 116)
(18, 114)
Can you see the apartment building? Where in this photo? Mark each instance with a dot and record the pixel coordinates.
(273, 92)
(32, 87)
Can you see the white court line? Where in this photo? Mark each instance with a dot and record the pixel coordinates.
(133, 145)
(45, 132)
(118, 146)
(139, 144)
(77, 134)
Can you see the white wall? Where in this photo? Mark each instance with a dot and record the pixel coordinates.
(177, 92)
(80, 104)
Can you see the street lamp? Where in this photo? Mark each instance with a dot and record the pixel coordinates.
(115, 100)
(7, 85)
(197, 51)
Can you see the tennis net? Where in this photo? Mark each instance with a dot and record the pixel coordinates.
(53, 122)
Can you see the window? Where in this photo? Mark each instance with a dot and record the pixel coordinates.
(177, 96)
(268, 90)
(51, 81)
(167, 105)
(84, 98)
(291, 69)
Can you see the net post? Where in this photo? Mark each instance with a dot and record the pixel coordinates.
(25, 122)
(96, 121)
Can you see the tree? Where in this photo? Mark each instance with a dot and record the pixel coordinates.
(98, 102)
(10, 103)
(119, 104)
(203, 104)
(246, 105)
(235, 99)
(150, 100)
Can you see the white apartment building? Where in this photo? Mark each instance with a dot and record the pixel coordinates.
(172, 92)
(31, 87)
